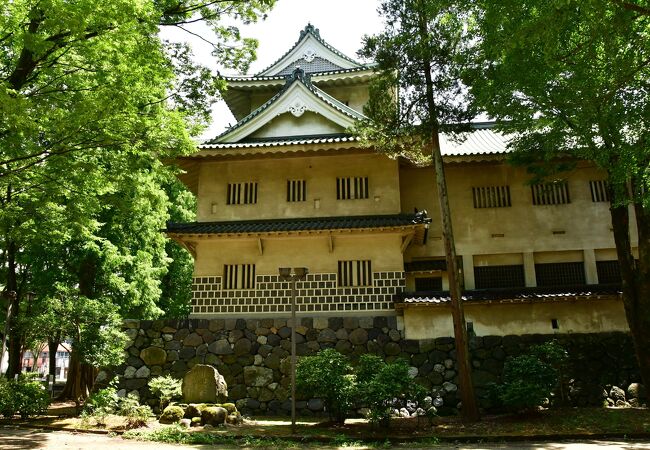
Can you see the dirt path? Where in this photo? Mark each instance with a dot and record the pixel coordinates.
(12, 438)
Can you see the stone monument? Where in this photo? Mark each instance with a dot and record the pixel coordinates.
(204, 384)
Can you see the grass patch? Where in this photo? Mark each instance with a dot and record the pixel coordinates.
(174, 434)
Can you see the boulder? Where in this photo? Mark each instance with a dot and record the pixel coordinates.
(172, 414)
(194, 410)
(616, 394)
(143, 372)
(636, 390)
(153, 356)
(214, 415)
(204, 384)
(220, 347)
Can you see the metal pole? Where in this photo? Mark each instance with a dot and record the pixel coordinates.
(293, 354)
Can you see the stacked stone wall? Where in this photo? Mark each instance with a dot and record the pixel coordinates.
(253, 357)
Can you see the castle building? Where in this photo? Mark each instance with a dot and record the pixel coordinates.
(289, 186)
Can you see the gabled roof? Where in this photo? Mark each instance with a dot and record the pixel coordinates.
(313, 55)
(297, 96)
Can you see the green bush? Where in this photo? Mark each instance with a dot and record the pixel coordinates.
(100, 404)
(23, 396)
(136, 415)
(327, 375)
(381, 383)
(166, 389)
(529, 380)
(172, 414)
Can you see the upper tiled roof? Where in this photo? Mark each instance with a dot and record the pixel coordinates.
(298, 76)
(283, 77)
(299, 224)
(312, 31)
(513, 294)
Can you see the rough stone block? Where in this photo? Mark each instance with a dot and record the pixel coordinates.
(204, 384)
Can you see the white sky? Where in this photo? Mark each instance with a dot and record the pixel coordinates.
(342, 23)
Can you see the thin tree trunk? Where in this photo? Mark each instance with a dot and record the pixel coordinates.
(469, 410)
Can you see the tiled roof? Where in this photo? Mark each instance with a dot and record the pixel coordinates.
(310, 29)
(298, 76)
(297, 140)
(512, 295)
(483, 140)
(300, 224)
(283, 77)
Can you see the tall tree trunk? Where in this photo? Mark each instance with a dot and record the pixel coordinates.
(52, 347)
(635, 277)
(15, 336)
(81, 376)
(469, 410)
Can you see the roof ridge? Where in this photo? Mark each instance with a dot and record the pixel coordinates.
(309, 30)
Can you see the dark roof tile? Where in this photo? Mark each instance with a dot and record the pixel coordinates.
(300, 224)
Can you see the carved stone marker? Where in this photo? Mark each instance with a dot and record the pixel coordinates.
(204, 384)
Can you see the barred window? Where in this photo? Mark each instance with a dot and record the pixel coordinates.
(609, 272)
(355, 273)
(491, 277)
(560, 274)
(598, 190)
(239, 276)
(551, 193)
(296, 190)
(242, 193)
(350, 188)
(428, 284)
(491, 196)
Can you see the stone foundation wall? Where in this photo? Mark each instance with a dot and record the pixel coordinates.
(253, 357)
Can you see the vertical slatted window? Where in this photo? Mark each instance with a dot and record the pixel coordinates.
(241, 193)
(560, 274)
(355, 273)
(491, 277)
(598, 190)
(239, 276)
(351, 188)
(551, 193)
(609, 272)
(491, 197)
(296, 190)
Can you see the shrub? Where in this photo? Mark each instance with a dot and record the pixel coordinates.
(381, 383)
(166, 389)
(23, 396)
(100, 404)
(529, 379)
(135, 414)
(327, 375)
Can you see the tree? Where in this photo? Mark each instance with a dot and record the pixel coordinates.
(91, 100)
(420, 53)
(571, 81)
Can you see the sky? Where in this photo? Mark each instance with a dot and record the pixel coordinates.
(342, 23)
